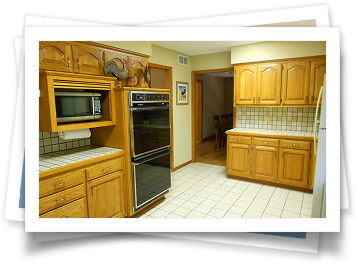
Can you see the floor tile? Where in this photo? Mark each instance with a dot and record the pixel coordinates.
(205, 191)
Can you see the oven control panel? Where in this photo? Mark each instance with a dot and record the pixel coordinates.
(149, 97)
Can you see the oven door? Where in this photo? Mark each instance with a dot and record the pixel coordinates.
(151, 178)
(149, 129)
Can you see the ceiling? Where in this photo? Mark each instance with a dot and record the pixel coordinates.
(201, 47)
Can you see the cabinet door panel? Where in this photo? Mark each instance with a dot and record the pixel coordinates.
(55, 55)
(245, 85)
(295, 85)
(265, 163)
(269, 84)
(318, 70)
(238, 161)
(87, 60)
(294, 167)
(106, 196)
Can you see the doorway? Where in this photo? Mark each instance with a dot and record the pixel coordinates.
(212, 94)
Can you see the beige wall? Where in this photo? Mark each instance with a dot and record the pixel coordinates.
(182, 125)
(143, 47)
(275, 50)
(211, 61)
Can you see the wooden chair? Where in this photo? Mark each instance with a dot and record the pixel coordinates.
(230, 118)
(220, 133)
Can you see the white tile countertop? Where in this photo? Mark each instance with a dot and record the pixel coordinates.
(271, 132)
(65, 157)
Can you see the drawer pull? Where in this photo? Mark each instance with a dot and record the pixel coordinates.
(61, 199)
(239, 140)
(295, 145)
(265, 142)
(109, 168)
(57, 185)
(67, 216)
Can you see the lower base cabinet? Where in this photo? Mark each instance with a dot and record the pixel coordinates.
(294, 167)
(100, 205)
(273, 160)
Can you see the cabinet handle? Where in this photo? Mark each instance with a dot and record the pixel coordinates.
(60, 184)
(79, 65)
(307, 99)
(109, 168)
(239, 140)
(69, 62)
(67, 216)
(254, 100)
(295, 145)
(258, 99)
(92, 191)
(312, 98)
(265, 142)
(65, 198)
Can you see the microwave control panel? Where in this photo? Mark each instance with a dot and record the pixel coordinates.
(97, 105)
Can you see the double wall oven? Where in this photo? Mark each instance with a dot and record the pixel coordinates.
(149, 123)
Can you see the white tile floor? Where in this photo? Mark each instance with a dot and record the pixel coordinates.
(204, 191)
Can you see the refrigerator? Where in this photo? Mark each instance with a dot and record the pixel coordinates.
(319, 191)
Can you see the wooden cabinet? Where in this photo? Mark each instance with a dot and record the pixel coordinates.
(87, 60)
(90, 189)
(276, 160)
(294, 167)
(318, 70)
(106, 196)
(238, 160)
(288, 82)
(245, 83)
(296, 82)
(56, 56)
(269, 84)
(265, 159)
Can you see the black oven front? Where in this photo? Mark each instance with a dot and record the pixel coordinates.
(149, 118)
(149, 122)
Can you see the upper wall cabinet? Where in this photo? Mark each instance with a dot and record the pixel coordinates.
(90, 58)
(269, 84)
(56, 56)
(87, 60)
(294, 82)
(245, 84)
(318, 70)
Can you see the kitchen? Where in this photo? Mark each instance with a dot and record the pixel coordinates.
(197, 190)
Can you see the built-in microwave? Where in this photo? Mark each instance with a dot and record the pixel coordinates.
(73, 106)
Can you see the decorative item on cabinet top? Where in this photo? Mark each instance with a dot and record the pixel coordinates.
(120, 74)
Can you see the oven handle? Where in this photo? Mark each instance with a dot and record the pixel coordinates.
(149, 108)
(150, 158)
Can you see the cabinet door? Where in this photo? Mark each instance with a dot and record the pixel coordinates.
(318, 70)
(137, 65)
(294, 167)
(245, 85)
(56, 56)
(269, 83)
(296, 82)
(106, 196)
(87, 60)
(238, 160)
(265, 163)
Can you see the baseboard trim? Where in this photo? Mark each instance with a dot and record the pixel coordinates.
(182, 165)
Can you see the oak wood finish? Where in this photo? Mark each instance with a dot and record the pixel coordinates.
(269, 84)
(76, 209)
(87, 60)
(318, 70)
(284, 161)
(56, 56)
(245, 84)
(104, 168)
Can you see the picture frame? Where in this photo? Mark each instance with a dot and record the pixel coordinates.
(181, 93)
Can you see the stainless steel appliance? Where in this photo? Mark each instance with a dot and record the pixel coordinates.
(72, 106)
(149, 118)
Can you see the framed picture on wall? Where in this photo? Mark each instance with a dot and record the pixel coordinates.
(181, 93)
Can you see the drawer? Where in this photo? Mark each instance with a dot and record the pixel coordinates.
(61, 198)
(61, 182)
(76, 209)
(295, 144)
(266, 141)
(104, 168)
(239, 139)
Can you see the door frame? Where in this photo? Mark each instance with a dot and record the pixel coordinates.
(197, 99)
(193, 107)
(168, 85)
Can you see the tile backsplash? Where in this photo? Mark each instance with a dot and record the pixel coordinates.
(51, 142)
(273, 118)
